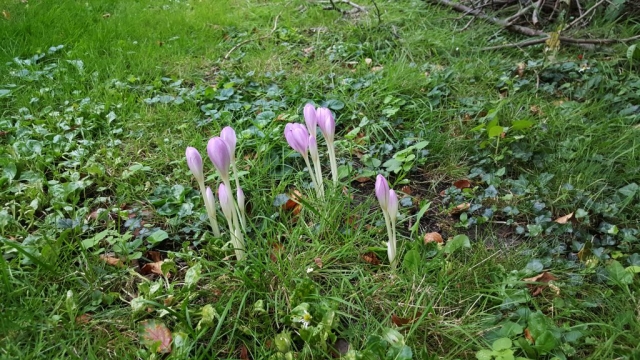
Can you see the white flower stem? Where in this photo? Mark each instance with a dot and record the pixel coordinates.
(239, 207)
(237, 233)
(211, 211)
(313, 181)
(393, 244)
(332, 159)
(390, 235)
(318, 170)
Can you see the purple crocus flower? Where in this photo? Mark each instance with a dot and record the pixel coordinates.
(310, 118)
(298, 137)
(218, 152)
(327, 123)
(194, 161)
(382, 191)
(229, 136)
(392, 206)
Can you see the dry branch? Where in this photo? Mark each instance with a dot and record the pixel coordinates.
(587, 43)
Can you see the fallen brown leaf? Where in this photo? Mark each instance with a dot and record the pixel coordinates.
(244, 352)
(535, 110)
(111, 260)
(362, 179)
(546, 278)
(520, 69)
(154, 256)
(462, 184)
(106, 15)
(460, 208)
(407, 190)
(564, 219)
(433, 237)
(368, 61)
(6, 14)
(293, 203)
(371, 258)
(152, 268)
(276, 249)
(377, 68)
(318, 262)
(527, 335)
(398, 321)
(83, 319)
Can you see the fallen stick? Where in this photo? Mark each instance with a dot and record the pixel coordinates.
(562, 39)
(528, 31)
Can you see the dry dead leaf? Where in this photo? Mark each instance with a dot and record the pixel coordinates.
(83, 319)
(545, 278)
(527, 335)
(6, 14)
(362, 179)
(407, 190)
(244, 352)
(152, 268)
(462, 184)
(276, 250)
(106, 15)
(460, 208)
(433, 237)
(293, 203)
(154, 256)
(371, 258)
(377, 68)
(398, 321)
(564, 219)
(155, 333)
(535, 110)
(368, 61)
(111, 260)
(318, 262)
(169, 300)
(308, 50)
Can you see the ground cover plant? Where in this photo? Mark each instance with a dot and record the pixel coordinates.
(515, 173)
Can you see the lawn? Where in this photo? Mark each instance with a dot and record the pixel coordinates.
(516, 172)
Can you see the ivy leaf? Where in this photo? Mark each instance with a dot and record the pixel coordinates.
(458, 242)
(618, 274)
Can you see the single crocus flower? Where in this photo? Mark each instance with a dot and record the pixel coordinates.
(229, 136)
(194, 161)
(327, 125)
(298, 138)
(310, 118)
(218, 152)
(382, 191)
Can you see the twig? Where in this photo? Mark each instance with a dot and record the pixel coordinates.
(355, 6)
(468, 24)
(563, 39)
(511, 19)
(536, 9)
(584, 14)
(375, 5)
(275, 26)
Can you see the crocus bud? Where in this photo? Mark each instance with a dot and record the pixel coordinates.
(313, 147)
(229, 136)
(194, 161)
(240, 196)
(297, 136)
(327, 123)
(382, 191)
(218, 152)
(310, 118)
(392, 206)
(225, 202)
(210, 201)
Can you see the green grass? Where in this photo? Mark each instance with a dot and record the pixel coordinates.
(100, 146)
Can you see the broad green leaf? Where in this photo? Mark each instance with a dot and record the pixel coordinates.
(193, 275)
(412, 261)
(157, 237)
(9, 171)
(495, 131)
(501, 344)
(484, 354)
(458, 242)
(618, 274)
(521, 124)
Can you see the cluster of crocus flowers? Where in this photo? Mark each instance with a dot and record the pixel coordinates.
(221, 151)
(303, 140)
(389, 203)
